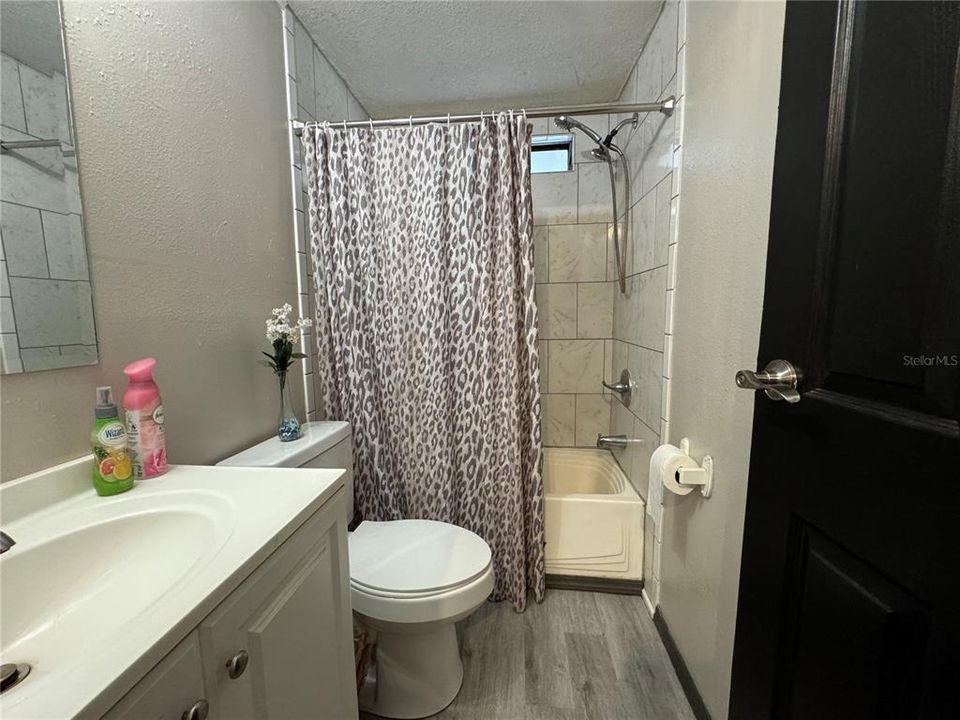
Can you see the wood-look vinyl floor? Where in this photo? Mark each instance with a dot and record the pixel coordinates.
(576, 656)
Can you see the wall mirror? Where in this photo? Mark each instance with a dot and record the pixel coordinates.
(46, 307)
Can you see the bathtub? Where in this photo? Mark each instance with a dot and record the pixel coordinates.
(593, 517)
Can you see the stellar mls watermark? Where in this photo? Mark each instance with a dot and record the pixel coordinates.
(931, 360)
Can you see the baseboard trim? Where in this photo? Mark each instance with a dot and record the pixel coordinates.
(595, 584)
(683, 674)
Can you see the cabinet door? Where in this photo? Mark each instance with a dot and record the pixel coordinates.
(169, 690)
(292, 619)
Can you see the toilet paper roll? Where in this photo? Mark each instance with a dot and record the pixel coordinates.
(664, 463)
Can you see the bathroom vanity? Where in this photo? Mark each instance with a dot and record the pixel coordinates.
(207, 593)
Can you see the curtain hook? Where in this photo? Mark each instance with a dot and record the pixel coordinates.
(411, 121)
(371, 123)
(344, 124)
(448, 119)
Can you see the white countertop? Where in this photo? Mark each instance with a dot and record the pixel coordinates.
(92, 616)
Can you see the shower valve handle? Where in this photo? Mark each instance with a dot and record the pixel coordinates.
(623, 388)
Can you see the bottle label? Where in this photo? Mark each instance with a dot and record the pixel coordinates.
(110, 450)
(113, 435)
(147, 442)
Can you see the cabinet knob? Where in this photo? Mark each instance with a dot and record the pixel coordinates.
(236, 665)
(199, 711)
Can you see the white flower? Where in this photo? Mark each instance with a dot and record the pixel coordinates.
(279, 327)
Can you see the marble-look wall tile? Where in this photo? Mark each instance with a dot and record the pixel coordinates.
(11, 101)
(53, 358)
(621, 423)
(595, 310)
(543, 358)
(23, 240)
(644, 233)
(554, 198)
(594, 204)
(557, 310)
(36, 180)
(659, 159)
(638, 317)
(7, 323)
(540, 254)
(289, 47)
(331, 102)
(303, 56)
(576, 366)
(649, 540)
(592, 419)
(53, 312)
(620, 360)
(10, 353)
(355, 110)
(66, 252)
(558, 420)
(4, 280)
(578, 253)
(646, 367)
(45, 104)
(608, 373)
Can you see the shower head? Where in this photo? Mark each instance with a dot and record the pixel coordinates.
(565, 122)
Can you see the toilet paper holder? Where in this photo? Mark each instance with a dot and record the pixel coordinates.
(701, 476)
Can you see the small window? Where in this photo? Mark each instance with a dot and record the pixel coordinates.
(551, 153)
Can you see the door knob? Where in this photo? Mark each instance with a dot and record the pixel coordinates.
(779, 380)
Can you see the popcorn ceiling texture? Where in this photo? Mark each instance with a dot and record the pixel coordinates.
(179, 112)
(436, 57)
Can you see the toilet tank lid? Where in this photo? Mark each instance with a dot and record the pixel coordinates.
(316, 437)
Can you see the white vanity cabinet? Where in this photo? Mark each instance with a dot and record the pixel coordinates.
(279, 647)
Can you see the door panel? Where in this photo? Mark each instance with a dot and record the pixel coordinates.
(850, 579)
(835, 600)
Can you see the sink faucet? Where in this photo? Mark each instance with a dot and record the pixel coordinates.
(6, 542)
(611, 441)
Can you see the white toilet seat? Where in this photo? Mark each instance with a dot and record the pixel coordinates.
(417, 571)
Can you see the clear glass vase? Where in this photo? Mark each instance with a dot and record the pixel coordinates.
(288, 424)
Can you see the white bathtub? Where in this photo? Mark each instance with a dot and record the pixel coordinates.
(593, 516)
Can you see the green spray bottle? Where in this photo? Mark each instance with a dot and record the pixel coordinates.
(112, 468)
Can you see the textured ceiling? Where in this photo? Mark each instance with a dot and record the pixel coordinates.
(437, 56)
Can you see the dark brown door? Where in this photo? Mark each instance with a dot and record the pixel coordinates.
(850, 583)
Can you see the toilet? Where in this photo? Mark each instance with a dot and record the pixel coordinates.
(410, 582)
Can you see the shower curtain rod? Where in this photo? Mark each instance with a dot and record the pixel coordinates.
(663, 106)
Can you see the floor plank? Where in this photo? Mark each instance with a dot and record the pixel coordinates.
(576, 656)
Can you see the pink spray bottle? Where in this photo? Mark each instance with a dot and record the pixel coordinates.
(144, 420)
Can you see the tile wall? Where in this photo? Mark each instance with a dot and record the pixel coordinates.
(642, 325)
(46, 306)
(315, 91)
(576, 286)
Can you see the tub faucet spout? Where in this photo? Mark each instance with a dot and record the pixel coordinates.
(6, 542)
(611, 441)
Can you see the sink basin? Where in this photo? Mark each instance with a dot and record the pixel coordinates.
(69, 589)
(97, 590)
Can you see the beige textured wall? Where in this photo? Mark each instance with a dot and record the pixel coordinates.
(732, 87)
(179, 110)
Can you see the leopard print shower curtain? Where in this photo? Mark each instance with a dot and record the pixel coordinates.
(421, 240)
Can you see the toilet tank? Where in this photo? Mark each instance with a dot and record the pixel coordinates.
(323, 444)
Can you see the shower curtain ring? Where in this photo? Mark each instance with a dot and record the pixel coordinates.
(448, 119)
(344, 124)
(411, 121)
(371, 123)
